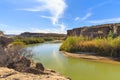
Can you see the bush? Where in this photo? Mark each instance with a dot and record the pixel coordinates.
(30, 40)
(21, 44)
(103, 47)
(71, 44)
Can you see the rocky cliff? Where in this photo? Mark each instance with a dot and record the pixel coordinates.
(29, 34)
(95, 31)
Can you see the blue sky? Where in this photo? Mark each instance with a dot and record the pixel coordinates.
(55, 16)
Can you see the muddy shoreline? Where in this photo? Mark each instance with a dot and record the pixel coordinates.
(90, 56)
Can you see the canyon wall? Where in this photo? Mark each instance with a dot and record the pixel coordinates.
(95, 31)
(28, 34)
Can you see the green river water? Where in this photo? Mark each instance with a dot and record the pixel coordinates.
(77, 69)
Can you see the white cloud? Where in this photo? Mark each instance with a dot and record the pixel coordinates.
(3, 25)
(62, 28)
(111, 20)
(8, 29)
(52, 30)
(38, 30)
(47, 17)
(77, 18)
(17, 32)
(86, 16)
(55, 7)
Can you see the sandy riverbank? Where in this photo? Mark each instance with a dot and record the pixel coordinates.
(10, 74)
(90, 57)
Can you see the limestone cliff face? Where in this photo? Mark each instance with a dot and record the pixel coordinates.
(95, 31)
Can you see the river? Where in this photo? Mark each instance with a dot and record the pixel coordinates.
(77, 69)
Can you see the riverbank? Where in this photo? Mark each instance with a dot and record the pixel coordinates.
(101, 46)
(90, 56)
(16, 64)
(10, 74)
(49, 55)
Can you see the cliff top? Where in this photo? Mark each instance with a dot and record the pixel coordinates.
(98, 26)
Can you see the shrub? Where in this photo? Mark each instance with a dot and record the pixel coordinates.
(15, 44)
(71, 44)
(101, 46)
(30, 40)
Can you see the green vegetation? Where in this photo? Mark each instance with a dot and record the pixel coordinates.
(101, 46)
(34, 40)
(29, 40)
(18, 44)
(48, 38)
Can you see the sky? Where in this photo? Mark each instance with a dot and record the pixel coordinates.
(55, 16)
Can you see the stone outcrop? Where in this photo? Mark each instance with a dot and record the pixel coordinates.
(95, 31)
(4, 41)
(10, 74)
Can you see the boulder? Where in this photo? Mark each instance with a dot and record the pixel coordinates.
(33, 71)
(20, 65)
(39, 66)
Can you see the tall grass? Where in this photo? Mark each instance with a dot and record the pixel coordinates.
(104, 47)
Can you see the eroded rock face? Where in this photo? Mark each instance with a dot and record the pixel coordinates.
(4, 41)
(95, 31)
(24, 65)
(3, 57)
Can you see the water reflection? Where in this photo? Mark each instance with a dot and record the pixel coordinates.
(57, 59)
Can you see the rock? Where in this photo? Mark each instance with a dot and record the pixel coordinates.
(7, 74)
(95, 31)
(33, 71)
(4, 41)
(20, 65)
(53, 71)
(39, 66)
(24, 65)
(11, 74)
